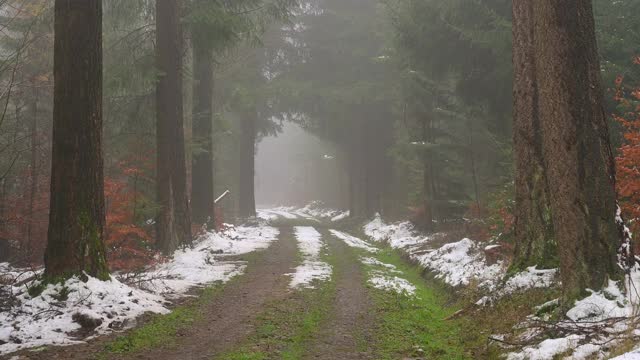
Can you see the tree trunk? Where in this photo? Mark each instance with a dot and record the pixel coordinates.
(567, 102)
(535, 243)
(76, 221)
(202, 178)
(173, 224)
(427, 179)
(33, 166)
(247, 200)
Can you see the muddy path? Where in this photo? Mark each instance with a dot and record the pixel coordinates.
(228, 319)
(347, 331)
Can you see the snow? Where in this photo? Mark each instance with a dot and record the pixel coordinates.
(384, 277)
(375, 262)
(605, 304)
(315, 211)
(353, 241)
(312, 269)
(341, 216)
(547, 349)
(48, 319)
(597, 309)
(203, 264)
(399, 236)
(459, 262)
(392, 283)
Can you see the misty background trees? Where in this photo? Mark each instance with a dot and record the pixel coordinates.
(411, 103)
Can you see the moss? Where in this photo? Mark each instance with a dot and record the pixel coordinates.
(94, 249)
(37, 289)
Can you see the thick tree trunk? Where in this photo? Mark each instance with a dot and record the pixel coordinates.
(535, 243)
(76, 221)
(202, 178)
(173, 224)
(577, 159)
(247, 199)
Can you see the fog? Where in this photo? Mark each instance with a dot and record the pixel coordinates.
(295, 168)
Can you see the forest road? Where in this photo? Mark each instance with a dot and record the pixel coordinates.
(347, 333)
(228, 319)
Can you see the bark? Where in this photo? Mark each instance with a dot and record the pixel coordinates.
(33, 165)
(577, 158)
(173, 223)
(203, 174)
(246, 195)
(533, 231)
(76, 221)
(427, 179)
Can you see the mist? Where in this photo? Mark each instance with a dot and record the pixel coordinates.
(319, 179)
(295, 168)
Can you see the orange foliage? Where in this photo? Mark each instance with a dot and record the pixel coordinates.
(128, 244)
(628, 159)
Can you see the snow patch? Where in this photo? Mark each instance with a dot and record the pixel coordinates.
(353, 241)
(460, 262)
(547, 349)
(204, 263)
(315, 211)
(311, 269)
(47, 319)
(382, 281)
(384, 277)
(399, 236)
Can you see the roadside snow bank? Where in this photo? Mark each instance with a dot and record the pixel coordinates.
(593, 327)
(310, 245)
(204, 264)
(64, 314)
(460, 262)
(50, 318)
(457, 263)
(401, 235)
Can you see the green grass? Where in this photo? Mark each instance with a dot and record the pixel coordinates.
(286, 327)
(416, 326)
(160, 330)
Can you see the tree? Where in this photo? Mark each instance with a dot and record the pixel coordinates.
(202, 176)
(558, 76)
(76, 221)
(173, 224)
(246, 163)
(533, 229)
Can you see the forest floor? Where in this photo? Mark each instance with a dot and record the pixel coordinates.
(313, 284)
(260, 315)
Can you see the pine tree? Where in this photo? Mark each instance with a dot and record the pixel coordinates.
(173, 224)
(558, 72)
(76, 221)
